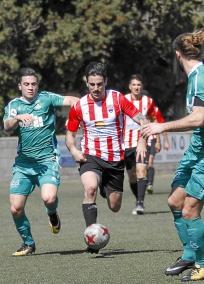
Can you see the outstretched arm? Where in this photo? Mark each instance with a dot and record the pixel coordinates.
(193, 120)
(70, 100)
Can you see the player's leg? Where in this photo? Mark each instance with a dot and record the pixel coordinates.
(21, 186)
(48, 180)
(90, 181)
(141, 171)
(195, 225)
(112, 182)
(90, 173)
(50, 199)
(176, 203)
(150, 169)
(150, 174)
(130, 165)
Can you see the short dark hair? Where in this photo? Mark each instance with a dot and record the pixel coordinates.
(96, 68)
(136, 77)
(26, 71)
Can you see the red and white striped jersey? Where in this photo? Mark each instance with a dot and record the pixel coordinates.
(131, 132)
(102, 124)
(159, 116)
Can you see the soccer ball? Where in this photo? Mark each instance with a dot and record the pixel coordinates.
(96, 236)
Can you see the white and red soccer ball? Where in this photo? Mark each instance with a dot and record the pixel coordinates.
(96, 236)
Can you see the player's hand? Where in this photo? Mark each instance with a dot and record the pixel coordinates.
(166, 145)
(158, 147)
(151, 128)
(26, 119)
(141, 150)
(78, 156)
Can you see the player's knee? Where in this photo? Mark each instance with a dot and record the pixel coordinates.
(48, 200)
(187, 213)
(115, 207)
(90, 192)
(16, 211)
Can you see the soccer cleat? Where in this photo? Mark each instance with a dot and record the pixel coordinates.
(25, 250)
(54, 222)
(179, 266)
(91, 250)
(134, 211)
(150, 189)
(140, 208)
(196, 273)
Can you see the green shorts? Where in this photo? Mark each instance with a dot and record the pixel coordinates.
(26, 178)
(190, 175)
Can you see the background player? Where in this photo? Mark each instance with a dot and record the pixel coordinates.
(137, 169)
(32, 115)
(153, 147)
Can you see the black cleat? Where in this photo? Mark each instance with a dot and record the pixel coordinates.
(91, 250)
(54, 222)
(179, 266)
(25, 250)
(140, 208)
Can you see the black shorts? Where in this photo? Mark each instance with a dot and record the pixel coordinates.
(111, 173)
(151, 149)
(130, 158)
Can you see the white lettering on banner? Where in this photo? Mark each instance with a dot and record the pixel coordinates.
(179, 142)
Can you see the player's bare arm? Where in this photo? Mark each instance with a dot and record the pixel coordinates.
(70, 100)
(12, 123)
(193, 120)
(71, 145)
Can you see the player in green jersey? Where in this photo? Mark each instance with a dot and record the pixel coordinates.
(187, 196)
(36, 164)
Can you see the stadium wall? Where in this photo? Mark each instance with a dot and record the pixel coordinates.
(165, 161)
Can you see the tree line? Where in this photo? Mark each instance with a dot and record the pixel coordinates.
(59, 38)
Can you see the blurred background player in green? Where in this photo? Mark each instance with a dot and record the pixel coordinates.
(36, 164)
(187, 195)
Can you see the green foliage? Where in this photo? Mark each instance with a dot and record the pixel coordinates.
(58, 38)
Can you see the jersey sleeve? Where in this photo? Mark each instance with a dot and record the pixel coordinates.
(159, 116)
(199, 88)
(127, 107)
(151, 113)
(73, 119)
(56, 99)
(10, 111)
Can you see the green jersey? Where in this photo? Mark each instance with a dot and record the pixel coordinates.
(196, 89)
(37, 142)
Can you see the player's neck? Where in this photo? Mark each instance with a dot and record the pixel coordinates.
(189, 65)
(136, 97)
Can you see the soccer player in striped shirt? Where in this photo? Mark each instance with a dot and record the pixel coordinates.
(137, 169)
(101, 160)
(36, 164)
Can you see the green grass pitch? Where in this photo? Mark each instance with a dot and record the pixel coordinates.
(140, 247)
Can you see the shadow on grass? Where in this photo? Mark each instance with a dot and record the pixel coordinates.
(156, 212)
(106, 253)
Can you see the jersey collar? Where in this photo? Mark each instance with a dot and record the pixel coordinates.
(194, 68)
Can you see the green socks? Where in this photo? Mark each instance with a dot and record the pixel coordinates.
(195, 228)
(181, 227)
(23, 228)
